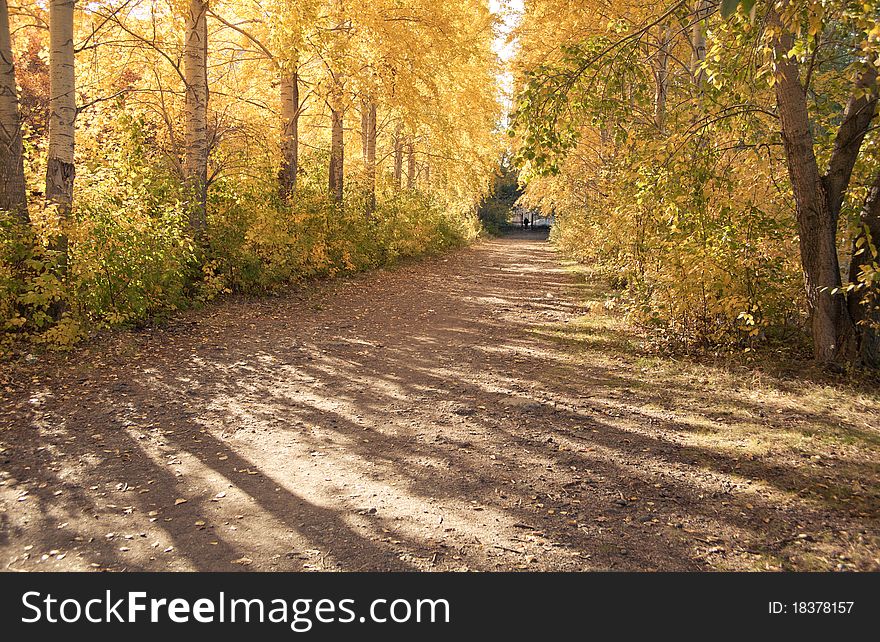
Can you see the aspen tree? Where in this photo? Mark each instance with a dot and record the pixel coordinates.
(410, 164)
(60, 167)
(337, 142)
(195, 58)
(13, 196)
(290, 114)
(369, 134)
(398, 156)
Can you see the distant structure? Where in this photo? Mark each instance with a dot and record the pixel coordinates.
(537, 219)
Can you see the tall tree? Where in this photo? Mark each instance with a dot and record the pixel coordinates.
(398, 156)
(290, 113)
(698, 44)
(818, 197)
(13, 195)
(340, 34)
(337, 140)
(410, 164)
(284, 35)
(195, 65)
(369, 133)
(60, 168)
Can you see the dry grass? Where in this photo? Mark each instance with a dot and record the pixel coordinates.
(794, 434)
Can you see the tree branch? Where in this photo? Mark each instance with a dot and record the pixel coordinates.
(860, 111)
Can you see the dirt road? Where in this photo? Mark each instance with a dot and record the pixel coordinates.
(442, 415)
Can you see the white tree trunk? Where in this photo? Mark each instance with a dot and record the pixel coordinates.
(369, 140)
(290, 111)
(398, 156)
(410, 164)
(60, 171)
(13, 196)
(337, 144)
(195, 65)
(698, 44)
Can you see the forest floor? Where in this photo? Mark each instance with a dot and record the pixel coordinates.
(481, 410)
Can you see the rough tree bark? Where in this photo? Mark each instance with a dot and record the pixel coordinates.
(195, 71)
(368, 135)
(818, 198)
(13, 194)
(816, 225)
(864, 305)
(60, 169)
(337, 143)
(290, 112)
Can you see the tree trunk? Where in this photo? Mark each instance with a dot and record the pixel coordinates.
(698, 44)
(369, 139)
(864, 303)
(337, 145)
(60, 169)
(195, 67)
(398, 157)
(410, 165)
(290, 111)
(662, 78)
(832, 325)
(365, 126)
(13, 195)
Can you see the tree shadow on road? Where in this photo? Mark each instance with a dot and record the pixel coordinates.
(445, 415)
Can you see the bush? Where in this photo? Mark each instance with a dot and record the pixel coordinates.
(704, 255)
(131, 259)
